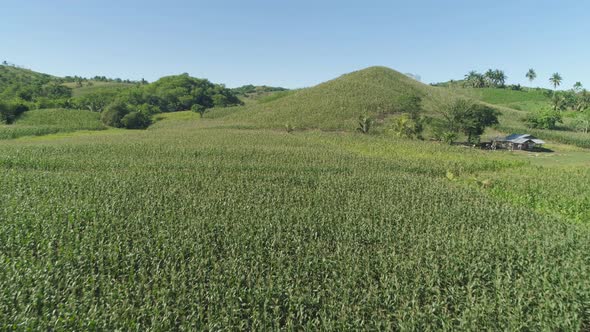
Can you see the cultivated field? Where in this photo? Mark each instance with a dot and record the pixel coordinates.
(51, 121)
(191, 225)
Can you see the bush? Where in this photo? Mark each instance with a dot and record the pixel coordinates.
(9, 112)
(406, 127)
(544, 119)
(449, 137)
(114, 113)
(364, 124)
(136, 120)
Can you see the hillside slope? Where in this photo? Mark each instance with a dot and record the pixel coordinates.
(337, 104)
(524, 100)
(14, 79)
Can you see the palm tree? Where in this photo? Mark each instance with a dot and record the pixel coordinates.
(470, 75)
(475, 79)
(555, 79)
(479, 81)
(531, 75)
(578, 87)
(500, 77)
(490, 77)
(496, 78)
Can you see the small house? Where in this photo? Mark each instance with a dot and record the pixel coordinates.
(518, 142)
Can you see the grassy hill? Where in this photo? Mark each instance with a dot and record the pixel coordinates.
(50, 121)
(22, 83)
(378, 92)
(14, 75)
(337, 104)
(524, 100)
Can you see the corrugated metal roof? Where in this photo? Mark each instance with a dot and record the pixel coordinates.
(522, 138)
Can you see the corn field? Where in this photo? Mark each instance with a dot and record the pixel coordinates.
(225, 229)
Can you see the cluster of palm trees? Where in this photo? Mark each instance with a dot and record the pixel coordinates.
(577, 99)
(492, 78)
(555, 79)
(496, 78)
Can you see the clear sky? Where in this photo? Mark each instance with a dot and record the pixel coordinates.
(297, 43)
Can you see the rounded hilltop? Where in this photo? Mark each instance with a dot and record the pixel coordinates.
(337, 104)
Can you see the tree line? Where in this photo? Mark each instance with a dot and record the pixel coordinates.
(132, 108)
(124, 106)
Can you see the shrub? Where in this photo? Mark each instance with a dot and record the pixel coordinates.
(136, 120)
(114, 113)
(449, 137)
(544, 119)
(404, 126)
(9, 112)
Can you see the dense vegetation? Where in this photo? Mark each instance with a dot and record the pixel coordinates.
(20, 87)
(255, 92)
(33, 89)
(184, 228)
(209, 221)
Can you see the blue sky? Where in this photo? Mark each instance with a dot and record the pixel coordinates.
(297, 43)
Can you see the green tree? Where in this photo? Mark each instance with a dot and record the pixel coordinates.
(199, 109)
(500, 77)
(136, 120)
(496, 78)
(531, 75)
(114, 113)
(582, 101)
(578, 87)
(476, 119)
(555, 79)
(467, 117)
(96, 101)
(544, 119)
(475, 80)
(582, 122)
(559, 101)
